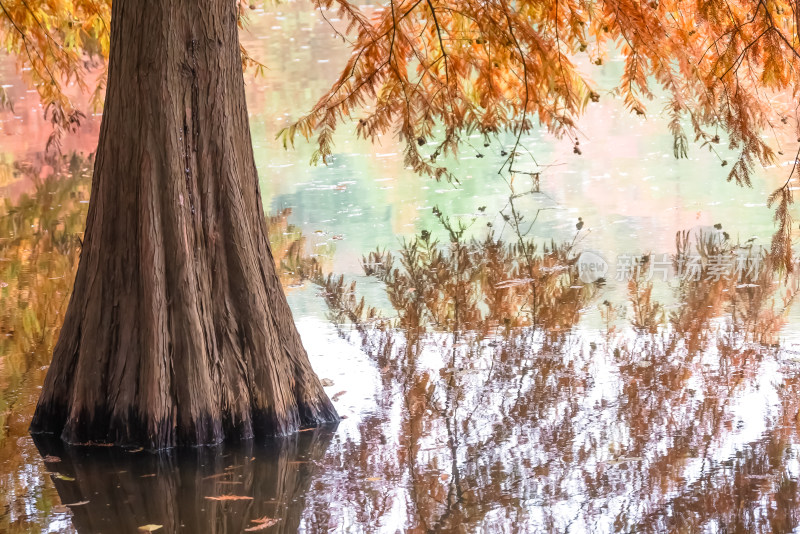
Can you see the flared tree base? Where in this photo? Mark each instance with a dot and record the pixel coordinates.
(178, 331)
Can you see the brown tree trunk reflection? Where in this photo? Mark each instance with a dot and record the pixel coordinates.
(112, 490)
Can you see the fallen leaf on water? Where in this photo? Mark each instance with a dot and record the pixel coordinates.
(261, 523)
(139, 449)
(307, 429)
(81, 503)
(444, 477)
(262, 526)
(149, 528)
(147, 476)
(337, 395)
(259, 527)
(64, 477)
(264, 519)
(52, 459)
(374, 479)
(94, 444)
(230, 498)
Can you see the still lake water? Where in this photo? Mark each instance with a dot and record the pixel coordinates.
(500, 391)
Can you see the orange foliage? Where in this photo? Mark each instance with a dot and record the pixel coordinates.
(437, 71)
(56, 42)
(498, 66)
(491, 67)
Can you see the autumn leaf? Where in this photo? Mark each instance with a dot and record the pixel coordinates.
(230, 498)
(64, 477)
(262, 523)
(259, 527)
(150, 528)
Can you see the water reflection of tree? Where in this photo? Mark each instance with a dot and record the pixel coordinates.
(203, 489)
(496, 407)
(39, 246)
(507, 414)
(40, 240)
(680, 404)
(468, 371)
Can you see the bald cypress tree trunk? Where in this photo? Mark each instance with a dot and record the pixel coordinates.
(178, 331)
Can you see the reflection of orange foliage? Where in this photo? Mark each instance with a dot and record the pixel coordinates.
(506, 413)
(289, 251)
(477, 284)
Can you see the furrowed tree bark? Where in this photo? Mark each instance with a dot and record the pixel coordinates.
(177, 331)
